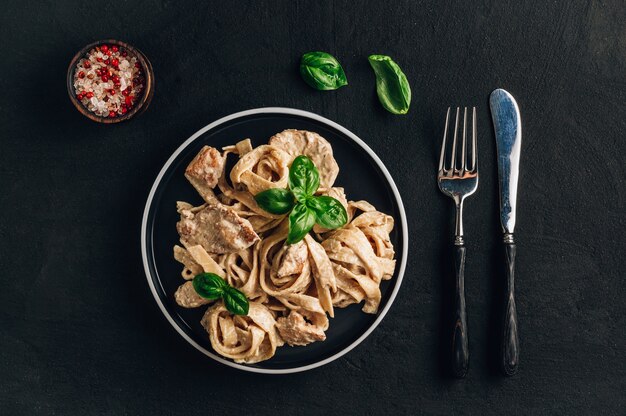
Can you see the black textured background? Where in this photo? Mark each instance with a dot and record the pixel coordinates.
(79, 330)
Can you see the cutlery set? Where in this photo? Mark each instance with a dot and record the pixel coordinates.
(457, 177)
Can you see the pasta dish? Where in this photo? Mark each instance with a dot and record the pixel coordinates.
(289, 289)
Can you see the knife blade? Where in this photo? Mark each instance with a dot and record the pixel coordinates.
(508, 129)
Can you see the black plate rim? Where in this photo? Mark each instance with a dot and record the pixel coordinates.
(145, 235)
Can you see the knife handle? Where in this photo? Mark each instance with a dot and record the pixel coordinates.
(510, 340)
(460, 349)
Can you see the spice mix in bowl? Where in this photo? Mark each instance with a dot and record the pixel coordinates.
(110, 81)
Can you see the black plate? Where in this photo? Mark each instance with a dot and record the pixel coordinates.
(362, 175)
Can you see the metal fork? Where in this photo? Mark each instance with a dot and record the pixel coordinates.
(458, 181)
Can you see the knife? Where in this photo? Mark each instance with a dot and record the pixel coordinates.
(508, 128)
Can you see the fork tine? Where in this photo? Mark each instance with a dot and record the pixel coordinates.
(456, 128)
(443, 142)
(474, 138)
(463, 157)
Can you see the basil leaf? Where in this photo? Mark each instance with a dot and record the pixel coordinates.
(394, 91)
(304, 179)
(301, 220)
(276, 201)
(329, 212)
(322, 71)
(235, 301)
(209, 285)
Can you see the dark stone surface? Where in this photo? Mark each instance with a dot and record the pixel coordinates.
(79, 330)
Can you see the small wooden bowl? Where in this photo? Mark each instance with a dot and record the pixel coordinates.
(140, 105)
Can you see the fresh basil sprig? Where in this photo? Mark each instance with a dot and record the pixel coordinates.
(329, 212)
(304, 179)
(211, 286)
(235, 301)
(306, 208)
(276, 201)
(392, 87)
(301, 220)
(322, 71)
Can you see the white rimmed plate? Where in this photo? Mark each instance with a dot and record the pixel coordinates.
(362, 174)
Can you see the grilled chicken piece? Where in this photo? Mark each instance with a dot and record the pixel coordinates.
(293, 261)
(217, 228)
(294, 330)
(204, 171)
(312, 145)
(187, 297)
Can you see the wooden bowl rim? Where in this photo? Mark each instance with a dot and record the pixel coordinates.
(141, 105)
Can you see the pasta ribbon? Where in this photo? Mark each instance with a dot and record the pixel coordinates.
(263, 168)
(245, 339)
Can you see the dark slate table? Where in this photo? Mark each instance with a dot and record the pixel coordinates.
(79, 331)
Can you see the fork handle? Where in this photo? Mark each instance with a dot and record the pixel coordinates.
(460, 348)
(510, 339)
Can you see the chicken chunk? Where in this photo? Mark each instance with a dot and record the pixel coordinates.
(204, 172)
(293, 261)
(294, 330)
(312, 145)
(217, 228)
(187, 297)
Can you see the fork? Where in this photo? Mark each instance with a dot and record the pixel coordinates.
(458, 183)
